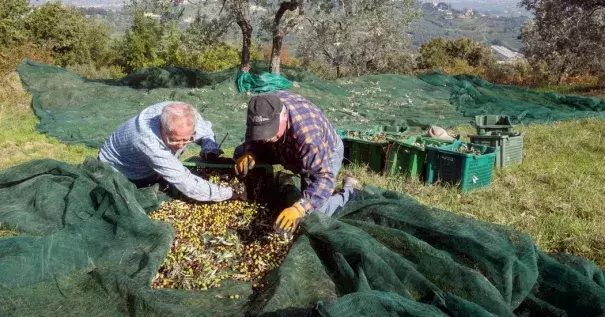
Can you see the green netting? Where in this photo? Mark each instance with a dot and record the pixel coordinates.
(77, 110)
(259, 83)
(88, 248)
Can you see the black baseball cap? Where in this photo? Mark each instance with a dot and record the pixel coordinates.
(263, 117)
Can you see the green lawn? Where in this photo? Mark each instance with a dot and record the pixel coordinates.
(19, 140)
(556, 195)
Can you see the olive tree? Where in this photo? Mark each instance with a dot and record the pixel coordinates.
(567, 35)
(358, 35)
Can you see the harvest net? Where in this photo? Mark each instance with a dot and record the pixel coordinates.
(88, 247)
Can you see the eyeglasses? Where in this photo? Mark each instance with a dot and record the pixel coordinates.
(178, 142)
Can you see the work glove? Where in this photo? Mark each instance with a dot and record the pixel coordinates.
(211, 155)
(288, 219)
(244, 164)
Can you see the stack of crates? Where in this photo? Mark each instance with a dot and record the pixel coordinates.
(497, 131)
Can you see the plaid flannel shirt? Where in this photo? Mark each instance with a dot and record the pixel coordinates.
(306, 148)
(136, 149)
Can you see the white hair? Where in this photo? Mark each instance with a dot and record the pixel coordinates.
(180, 114)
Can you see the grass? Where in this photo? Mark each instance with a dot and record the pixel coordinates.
(19, 140)
(555, 196)
(590, 90)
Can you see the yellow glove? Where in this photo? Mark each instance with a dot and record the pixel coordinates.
(289, 217)
(244, 163)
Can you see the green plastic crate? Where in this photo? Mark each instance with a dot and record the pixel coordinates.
(509, 144)
(262, 172)
(391, 129)
(364, 152)
(494, 123)
(385, 129)
(407, 158)
(469, 170)
(224, 163)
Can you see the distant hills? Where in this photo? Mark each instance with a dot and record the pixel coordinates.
(440, 19)
(108, 4)
(508, 8)
(443, 20)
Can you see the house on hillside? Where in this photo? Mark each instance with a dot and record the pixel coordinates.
(468, 13)
(443, 6)
(257, 8)
(429, 7)
(505, 55)
(152, 15)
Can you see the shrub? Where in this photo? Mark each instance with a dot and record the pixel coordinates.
(72, 38)
(462, 67)
(217, 57)
(12, 56)
(519, 72)
(97, 72)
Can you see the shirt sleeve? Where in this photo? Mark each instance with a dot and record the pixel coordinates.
(204, 136)
(171, 169)
(317, 162)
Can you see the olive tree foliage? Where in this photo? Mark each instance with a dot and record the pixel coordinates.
(206, 31)
(440, 52)
(567, 35)
(358, 35)
(142, 45)
(11, 21)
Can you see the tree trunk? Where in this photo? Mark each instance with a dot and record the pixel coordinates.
(279, 33)
(276, 53)
(562, 72)
(337, 71)
(246, 43)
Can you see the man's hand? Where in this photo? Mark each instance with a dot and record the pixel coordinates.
(239, 193)
(288, 219)
(211, 155)
(244, 164)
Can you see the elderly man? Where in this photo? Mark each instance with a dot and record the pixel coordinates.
(287, 129)
(146, 149)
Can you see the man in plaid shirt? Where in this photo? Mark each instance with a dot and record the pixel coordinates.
(287, 129)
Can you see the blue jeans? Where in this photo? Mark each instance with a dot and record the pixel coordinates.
(335, 202)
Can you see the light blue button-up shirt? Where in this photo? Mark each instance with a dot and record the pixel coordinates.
(136, 149)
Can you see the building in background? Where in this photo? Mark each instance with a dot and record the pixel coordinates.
(505, 55)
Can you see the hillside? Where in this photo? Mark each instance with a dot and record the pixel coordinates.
(488, 29)
(503, 31)
(108, 4)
